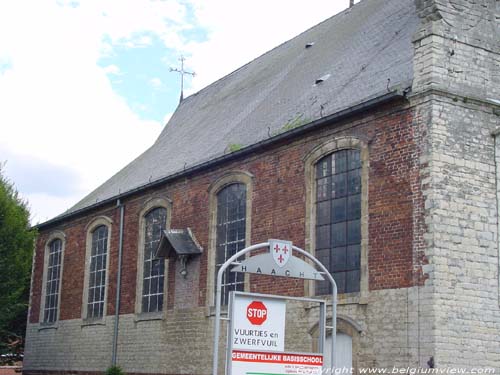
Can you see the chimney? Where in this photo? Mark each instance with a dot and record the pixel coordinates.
(351, 3)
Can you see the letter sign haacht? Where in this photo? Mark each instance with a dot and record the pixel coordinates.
(256, 313)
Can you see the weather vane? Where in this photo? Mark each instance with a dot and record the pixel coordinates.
(182, 72)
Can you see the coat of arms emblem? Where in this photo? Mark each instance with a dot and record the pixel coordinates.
(281, 251)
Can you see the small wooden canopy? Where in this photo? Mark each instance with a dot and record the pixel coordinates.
(177, 242)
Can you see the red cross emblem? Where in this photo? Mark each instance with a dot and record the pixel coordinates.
(280, 251)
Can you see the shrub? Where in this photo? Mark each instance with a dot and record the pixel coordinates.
(114, 370)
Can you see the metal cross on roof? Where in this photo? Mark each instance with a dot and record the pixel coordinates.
(182, 72)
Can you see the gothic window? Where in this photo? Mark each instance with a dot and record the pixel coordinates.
(155, 222)
(52, 280)
(97, 273)
(338, 219)
(230, 236)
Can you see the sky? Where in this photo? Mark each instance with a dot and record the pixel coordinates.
(86, 86)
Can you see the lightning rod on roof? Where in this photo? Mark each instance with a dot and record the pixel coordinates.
(182, 72)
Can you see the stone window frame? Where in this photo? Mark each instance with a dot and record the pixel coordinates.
(55, 235)
(229, 178)
(347, 326)
(148, 206)
(310, 161)
(89, 229)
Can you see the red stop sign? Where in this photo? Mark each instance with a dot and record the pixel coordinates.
(256, 313)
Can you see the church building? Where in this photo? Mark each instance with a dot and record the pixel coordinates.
(370, 141)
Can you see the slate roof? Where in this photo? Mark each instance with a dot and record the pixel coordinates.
(364, 50)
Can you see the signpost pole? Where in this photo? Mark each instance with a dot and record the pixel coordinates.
(322, 328)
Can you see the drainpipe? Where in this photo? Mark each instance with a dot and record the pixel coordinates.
(118, 284)
(496, 135)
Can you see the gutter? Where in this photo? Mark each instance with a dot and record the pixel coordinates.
(316, 124)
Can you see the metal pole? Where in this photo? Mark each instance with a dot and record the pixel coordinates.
(322, 328)
(334, 323)
(118, 286)
(229, 349)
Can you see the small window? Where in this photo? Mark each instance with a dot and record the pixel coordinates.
(97, 274)
(338, 219)
(231, 234)
(154, 269)
(53, 280)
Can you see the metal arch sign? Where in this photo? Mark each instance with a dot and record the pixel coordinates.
(279, 261)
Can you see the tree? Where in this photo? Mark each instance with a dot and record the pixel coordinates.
(16, 248)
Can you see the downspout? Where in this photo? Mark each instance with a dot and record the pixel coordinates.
(118, 284)
(496, 134)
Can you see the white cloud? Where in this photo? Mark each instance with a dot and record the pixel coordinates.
(155, 82)
(112, 69)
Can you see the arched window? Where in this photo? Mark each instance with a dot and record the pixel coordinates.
(97, 273)
(338, 219)
(230, 233)
(155, 221)
(53, 259)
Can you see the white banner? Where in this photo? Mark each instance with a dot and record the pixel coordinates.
(258, 323)
(265, 363)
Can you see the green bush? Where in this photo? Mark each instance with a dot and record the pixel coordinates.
(114, 370)
(16, 249)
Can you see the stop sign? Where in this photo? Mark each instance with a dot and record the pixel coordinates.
(256, 313)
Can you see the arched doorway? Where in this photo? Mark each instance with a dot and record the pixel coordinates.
(348, 342)
(343, 354)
